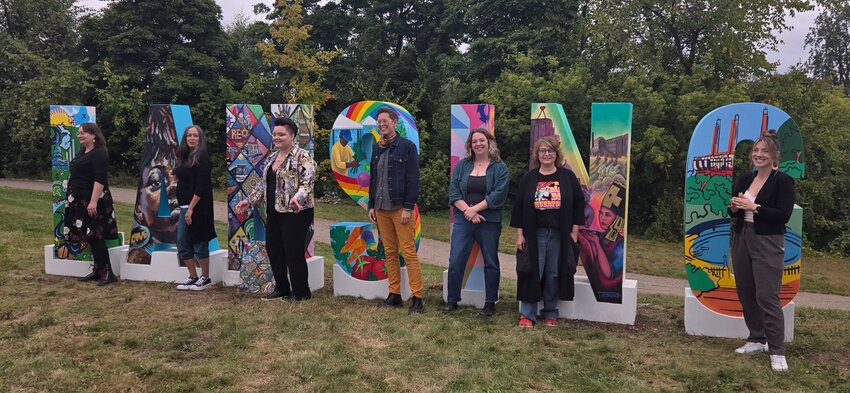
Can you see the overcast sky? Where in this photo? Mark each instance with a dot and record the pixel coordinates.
(789, 53)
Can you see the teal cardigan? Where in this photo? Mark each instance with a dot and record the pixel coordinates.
(496, 193)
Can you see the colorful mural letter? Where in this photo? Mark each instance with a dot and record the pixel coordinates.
(354, 134)
(249, 141)
(708, 191)
(64, 122)
(302, 115)
(465, 118)
(157, 211)
(356, 250)
(603, 237)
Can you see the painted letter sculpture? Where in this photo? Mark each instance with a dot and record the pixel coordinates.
(359, 253)
(708, 188)
(605, 183)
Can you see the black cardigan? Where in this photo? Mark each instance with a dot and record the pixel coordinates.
(529, 288)
(776, 198)
(197, 180)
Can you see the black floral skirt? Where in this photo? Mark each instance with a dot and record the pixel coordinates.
(80, 227)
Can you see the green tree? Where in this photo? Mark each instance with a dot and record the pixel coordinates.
(829, 44)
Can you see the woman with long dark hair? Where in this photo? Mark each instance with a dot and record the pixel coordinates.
(194, 194)
(762, 203)
(89, 214)
(548, 211)
(478, 190)
(287, 190)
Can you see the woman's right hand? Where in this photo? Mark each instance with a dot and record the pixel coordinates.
(242, 206)
(520, 242)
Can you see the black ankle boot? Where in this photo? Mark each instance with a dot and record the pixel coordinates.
(109, 278)
(94, 275)
(416, 306)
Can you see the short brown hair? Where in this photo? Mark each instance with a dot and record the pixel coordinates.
(389, 111)
(554, 144)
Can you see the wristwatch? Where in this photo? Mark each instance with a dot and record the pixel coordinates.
(756, 211)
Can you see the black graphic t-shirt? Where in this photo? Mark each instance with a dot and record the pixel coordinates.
(547, 201)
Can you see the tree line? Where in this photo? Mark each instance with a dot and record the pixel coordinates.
(675, 61)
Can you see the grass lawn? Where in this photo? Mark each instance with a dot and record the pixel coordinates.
(57, 334)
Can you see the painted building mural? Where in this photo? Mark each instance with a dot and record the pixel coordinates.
(65, 120)
(464, 119)
(605, 183)
(354, 134)
(708, 191)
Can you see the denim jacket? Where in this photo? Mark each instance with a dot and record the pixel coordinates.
(402, 173)
(496, 192)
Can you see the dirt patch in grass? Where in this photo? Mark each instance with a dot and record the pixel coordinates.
(838, 361)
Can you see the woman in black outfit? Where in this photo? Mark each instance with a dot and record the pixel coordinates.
(195, 228)
(547, 213)
(762, 204)
(89, 214)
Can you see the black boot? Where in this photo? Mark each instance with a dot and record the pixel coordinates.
(393, 300)
(94, 275)
(416, 306)
(108, 277)
(488, 310)
(449, 307)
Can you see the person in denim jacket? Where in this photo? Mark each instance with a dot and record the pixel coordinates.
(478, 190)
(393, 191)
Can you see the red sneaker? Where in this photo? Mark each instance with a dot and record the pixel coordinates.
(550, 322)
(525, 322)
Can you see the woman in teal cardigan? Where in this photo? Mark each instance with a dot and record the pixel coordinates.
(478, 190)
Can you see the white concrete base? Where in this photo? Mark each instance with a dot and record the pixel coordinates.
(345, 285)
(469, 297)
(229, 278)
(701, 321)
(72, 268)
(585, 307)
(165, 267)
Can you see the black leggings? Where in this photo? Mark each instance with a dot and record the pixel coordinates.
(99, 252)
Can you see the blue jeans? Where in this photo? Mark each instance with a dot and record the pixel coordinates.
(185, 248)
(486, 234)
(548, 251)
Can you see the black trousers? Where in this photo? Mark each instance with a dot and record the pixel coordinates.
(286, 236)
(757, 261)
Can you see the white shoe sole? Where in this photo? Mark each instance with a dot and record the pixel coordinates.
(198, 288)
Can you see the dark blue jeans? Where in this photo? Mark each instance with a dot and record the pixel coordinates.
(486, 234)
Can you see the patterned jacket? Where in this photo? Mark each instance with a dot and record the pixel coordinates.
(295, 178)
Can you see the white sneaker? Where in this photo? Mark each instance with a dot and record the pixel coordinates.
(187, 284)
(751, 347)
(777, 363)
(201, 284)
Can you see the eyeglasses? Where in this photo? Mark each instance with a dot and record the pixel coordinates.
(545, 151)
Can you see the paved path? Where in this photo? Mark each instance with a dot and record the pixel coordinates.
(435, 252)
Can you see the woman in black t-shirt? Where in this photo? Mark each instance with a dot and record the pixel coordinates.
(195, 227)
(89, 214)
(547, 213)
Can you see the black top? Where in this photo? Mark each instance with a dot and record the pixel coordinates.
(87, 168)
(197, 180)
(271, 187)
(776, 198)
(476, 189)
(547, 201)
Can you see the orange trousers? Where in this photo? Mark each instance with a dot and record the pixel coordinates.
(397, 236)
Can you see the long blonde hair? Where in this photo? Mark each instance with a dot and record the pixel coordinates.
(772, 142)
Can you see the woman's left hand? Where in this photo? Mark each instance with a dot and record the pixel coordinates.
(188, 216)
(470, 214)
(92, 208)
